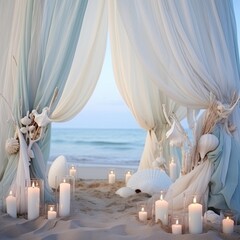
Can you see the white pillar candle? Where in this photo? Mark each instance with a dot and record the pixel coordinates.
(72, 171)
(33, 202)
(52, 214)
(176, 228)
(195, 217)
(173, 171)
(64, 199)
(161, 210)
(227, 225)
(127, 176)
(111, 177)
(142, 215)
(11, 205)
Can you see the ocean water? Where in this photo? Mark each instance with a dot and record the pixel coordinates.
(111, 147)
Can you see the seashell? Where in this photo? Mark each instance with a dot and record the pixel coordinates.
(23, 130)
(149, 181)
(26, 121)
(175, 137)
(207, 143)
(125, 192)
(12, 146)
(212, 217)
(57, 171)
(42, 119)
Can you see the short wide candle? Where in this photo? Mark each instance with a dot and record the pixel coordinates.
(111, 177)
(177, 228)
(33, 202)
(227, 225)
(52, 214)
(161, 210)
(11, 205)
(195, 217)
(142, 215)
(64, 199)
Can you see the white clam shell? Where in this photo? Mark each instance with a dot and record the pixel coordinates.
(207, 143)
(125, 192)
(12, 146)
(212, 217)
(149, 181)
(57, 171)
(175, 137)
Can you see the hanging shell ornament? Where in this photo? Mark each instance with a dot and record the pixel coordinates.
(42, 119)
(175, 136)
(207, 143)
(12, 146)
(26, 121)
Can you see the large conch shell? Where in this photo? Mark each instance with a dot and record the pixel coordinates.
(12, 146)
(175, 136)
(149, 181)
(207, 143)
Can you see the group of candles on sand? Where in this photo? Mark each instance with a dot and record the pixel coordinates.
(195, 218)
(33, 200)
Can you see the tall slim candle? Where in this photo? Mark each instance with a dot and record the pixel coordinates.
(11, 205)
(111, 177)
(161, 210)
(33, 202)
(173, 171)
(64, 199)
(127, 176)
(72, 171)
(195, 217)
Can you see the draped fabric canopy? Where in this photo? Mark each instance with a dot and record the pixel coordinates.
(177, 53)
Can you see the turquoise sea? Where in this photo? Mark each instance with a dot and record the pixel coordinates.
(112, 147)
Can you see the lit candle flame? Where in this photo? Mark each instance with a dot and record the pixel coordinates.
(227, 218)
(142, 209)
(51, 208)
(177, 221)
(64, 180)
(194, 199)
(10, 193)
(33, 185)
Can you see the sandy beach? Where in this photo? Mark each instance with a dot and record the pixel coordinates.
(97, 212)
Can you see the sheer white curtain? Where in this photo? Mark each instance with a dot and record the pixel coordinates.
(61, 43)
(189, 49)
(142, 95)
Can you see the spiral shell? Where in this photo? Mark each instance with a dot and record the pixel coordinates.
(12, 146)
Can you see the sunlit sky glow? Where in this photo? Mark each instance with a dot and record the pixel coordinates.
(106, 108)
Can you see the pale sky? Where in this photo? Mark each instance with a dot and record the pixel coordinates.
(106, 108)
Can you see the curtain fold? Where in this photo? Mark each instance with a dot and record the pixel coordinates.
(188, 49)
(57, 50)
(141, 94)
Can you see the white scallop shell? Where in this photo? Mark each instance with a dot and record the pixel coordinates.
(12, 146)
(125, 192)
(175, 137)
(57, 171)
(149, 181)
(207, 142)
